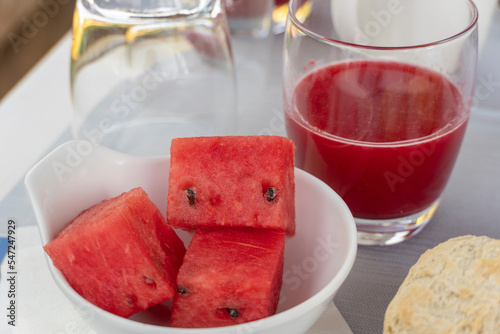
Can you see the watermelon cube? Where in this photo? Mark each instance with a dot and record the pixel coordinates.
(229, 276)
(239, 181)
(120, 254)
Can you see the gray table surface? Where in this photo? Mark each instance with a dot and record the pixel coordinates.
(470, 204)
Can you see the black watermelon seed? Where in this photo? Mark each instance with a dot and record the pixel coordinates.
(233, 313)
(190, 196)
(270, 195)
(182, 290)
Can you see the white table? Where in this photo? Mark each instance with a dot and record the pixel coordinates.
(35, 117)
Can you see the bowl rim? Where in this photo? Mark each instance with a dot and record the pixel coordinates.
(326, 293)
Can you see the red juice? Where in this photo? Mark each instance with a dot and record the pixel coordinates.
(280, 2)
(383, 135)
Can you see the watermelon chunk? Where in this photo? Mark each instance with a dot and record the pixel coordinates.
(229, 276)
(120, 254)
(239, 181)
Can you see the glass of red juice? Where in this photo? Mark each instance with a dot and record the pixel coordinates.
(377, 96)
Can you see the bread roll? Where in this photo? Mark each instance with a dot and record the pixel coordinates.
(453, 288)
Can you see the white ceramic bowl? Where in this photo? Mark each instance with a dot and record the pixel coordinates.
(318, 258)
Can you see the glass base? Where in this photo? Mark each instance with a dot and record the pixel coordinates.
(384, 232)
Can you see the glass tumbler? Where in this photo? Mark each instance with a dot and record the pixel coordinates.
(144, 72)
(377, 96)
(249, 18)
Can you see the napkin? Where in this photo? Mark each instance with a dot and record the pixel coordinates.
(41, 308)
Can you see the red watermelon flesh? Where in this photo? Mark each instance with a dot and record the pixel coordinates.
(229, 276)
(240, 181)
(120, 254)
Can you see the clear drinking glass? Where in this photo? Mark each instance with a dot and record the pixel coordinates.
(144, 72)
(251, 18)
(377, 95)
